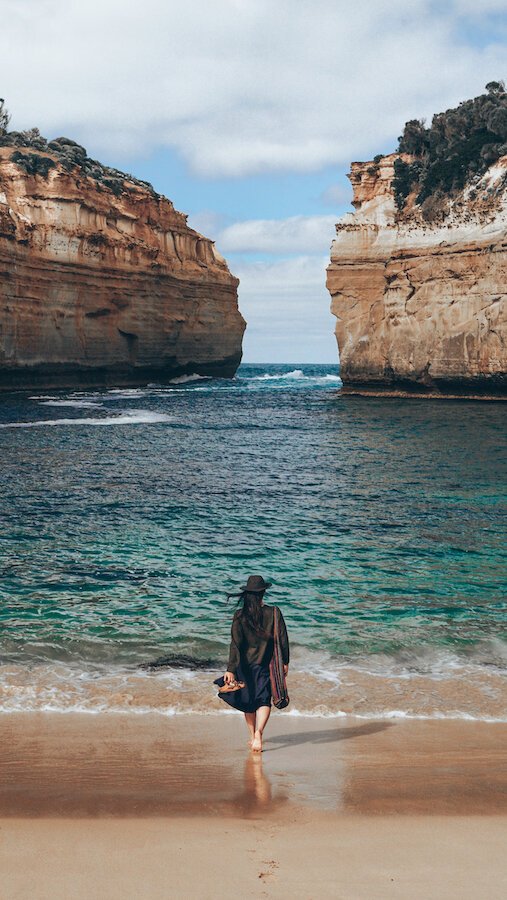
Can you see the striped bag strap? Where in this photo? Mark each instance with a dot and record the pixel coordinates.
(276, 670)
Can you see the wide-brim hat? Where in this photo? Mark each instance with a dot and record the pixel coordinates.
(256, 585)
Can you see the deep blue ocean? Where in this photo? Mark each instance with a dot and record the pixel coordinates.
(126, 516)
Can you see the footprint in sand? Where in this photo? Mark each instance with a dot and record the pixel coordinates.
(272, 865)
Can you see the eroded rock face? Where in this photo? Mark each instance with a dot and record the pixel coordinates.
(422, 305)
(106, 286)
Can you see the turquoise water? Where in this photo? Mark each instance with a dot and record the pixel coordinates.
(126, 516)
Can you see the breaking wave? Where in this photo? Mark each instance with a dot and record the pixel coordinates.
(60, 688)
(438, 686)
(296, 377)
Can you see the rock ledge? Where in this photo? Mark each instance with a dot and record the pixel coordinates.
(421, 306)
(102, 282)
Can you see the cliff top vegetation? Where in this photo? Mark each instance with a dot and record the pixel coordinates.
(458, 146)
(33, 152)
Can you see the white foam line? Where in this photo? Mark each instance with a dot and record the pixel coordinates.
(399, 714)
(114, 710)
(78, 404)
(185, 379)
(294, 713)
(129, 417)
(295, 375)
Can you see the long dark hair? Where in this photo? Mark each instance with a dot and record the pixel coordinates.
(252, 609)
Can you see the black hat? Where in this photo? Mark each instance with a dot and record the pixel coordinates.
(256, 584)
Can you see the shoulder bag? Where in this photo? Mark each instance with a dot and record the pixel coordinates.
(279, 693)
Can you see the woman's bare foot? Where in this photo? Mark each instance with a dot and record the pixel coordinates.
(257, 743)
(250, 724)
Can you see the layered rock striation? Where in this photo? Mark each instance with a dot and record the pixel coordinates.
(420, 294)
(102, 281)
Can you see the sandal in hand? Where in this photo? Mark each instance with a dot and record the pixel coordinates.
(231, 686)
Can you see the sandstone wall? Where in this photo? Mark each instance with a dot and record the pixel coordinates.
(99, 287)
(422, 306)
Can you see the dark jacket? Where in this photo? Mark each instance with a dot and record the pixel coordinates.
(249, 647)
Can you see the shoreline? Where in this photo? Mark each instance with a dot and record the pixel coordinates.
(391, 717)
(462, 694)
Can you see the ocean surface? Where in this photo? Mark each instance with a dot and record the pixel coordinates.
(126, 516)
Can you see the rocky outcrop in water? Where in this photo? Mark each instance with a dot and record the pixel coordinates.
(419, 288)
(101, 280)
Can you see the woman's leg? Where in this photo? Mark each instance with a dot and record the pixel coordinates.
(261, 720)
(250, 724)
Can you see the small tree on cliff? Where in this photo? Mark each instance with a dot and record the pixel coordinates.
(495, 87)
(4, 117)
(414, 139)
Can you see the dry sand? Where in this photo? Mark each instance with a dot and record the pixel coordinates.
(118, 806)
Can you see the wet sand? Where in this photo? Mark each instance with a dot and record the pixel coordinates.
(149, 806)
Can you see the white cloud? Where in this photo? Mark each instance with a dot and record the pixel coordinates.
(238, 86)
(337, 195)
(478, 8)
(296, 234)
(297, 276)
(207, 222)
(286, 306)
(285, 301)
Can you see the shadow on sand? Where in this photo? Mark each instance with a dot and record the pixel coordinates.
(325, 735)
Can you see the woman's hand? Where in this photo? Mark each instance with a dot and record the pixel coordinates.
(285, 669)
(229, 678)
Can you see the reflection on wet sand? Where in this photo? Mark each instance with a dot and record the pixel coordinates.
(78, 765)
(257, 785)
(257, 794)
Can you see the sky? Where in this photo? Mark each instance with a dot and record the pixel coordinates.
(247, 114)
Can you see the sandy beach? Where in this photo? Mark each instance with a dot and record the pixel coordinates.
(126, 806)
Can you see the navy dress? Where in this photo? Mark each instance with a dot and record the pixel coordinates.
(249, 658)
(257, 690)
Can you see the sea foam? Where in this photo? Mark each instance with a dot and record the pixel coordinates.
(298, 376)
(77, 404)
(127, 417)
(185, 379)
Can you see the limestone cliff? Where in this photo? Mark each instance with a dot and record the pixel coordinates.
(101, 279)
(420, 294)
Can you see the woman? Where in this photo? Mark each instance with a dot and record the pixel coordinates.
(250, 655)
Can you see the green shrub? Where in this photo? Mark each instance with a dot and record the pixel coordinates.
(414, 139)
(68, 153)
(32, 163)
(406, 177)
(33, 138)
(114, 184)
(458, 145)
